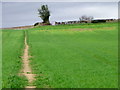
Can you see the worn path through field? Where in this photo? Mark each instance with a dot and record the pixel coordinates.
(27, 71)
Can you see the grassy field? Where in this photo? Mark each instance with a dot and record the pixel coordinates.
(66, 57)
(63, 56)
(76, 26)
(0, 59)
(13, 43)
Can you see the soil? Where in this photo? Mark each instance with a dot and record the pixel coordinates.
(27, 71)
(20, 27)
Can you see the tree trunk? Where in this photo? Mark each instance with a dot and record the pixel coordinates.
(46, 20)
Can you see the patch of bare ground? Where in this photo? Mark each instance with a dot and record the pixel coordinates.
(20, 27)
(82, 29)
(88, 29)
(26, 70)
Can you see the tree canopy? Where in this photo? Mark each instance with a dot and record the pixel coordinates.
(44, 13)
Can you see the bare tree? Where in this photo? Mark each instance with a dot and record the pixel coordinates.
(86, 18)
(83, 18)
(90, 18)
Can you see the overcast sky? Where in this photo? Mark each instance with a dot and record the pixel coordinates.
(26, 13)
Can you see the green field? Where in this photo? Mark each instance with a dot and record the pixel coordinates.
(64, 56)
(12, 49)
(0, 59)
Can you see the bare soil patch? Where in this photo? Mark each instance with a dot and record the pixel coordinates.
(20, 27)
(26, 70)
(82, 29)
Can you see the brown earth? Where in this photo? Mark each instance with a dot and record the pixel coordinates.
(26, 70)
(82, 29)
(20, 27)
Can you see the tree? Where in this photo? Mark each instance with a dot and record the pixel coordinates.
(90, 18)
(83, 18)
(86, 18)
(44, 14)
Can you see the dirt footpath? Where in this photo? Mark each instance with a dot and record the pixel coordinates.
(27, 71)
